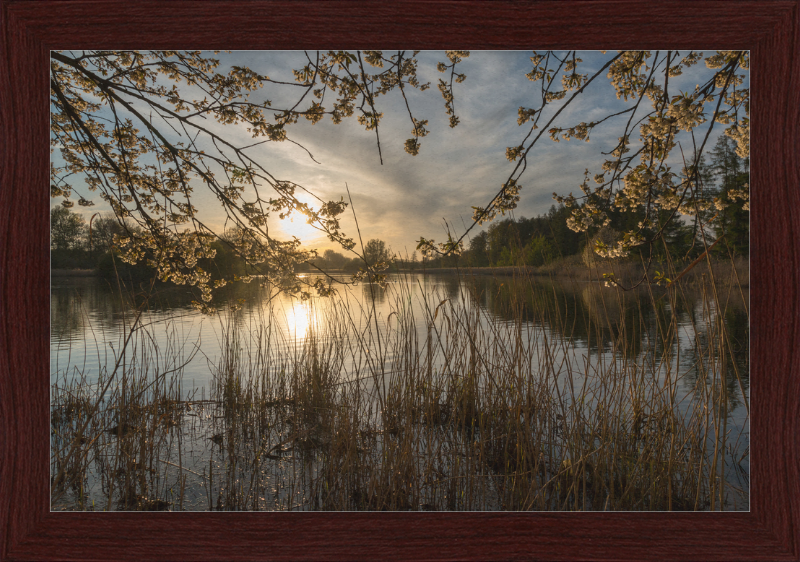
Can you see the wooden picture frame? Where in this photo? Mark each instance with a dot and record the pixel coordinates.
(770, 29)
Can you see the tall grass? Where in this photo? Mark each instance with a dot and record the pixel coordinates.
(439, 406)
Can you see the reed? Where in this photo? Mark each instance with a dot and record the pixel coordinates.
(467, 413)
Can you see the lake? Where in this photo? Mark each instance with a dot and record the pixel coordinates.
(680, 358)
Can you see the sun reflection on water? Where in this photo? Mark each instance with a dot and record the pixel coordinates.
(301, 320)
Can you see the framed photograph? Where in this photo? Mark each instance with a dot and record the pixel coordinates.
(602, 469)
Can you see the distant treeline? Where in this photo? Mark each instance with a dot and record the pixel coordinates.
(545, 238)
(78, 244)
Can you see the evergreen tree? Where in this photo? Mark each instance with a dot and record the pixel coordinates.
(732, 174)
(565, 240)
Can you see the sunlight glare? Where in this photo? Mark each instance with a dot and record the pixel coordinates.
(297, 223)
(301, 320)
(297, 226)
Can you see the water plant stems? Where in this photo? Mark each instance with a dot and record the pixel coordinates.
(490, 394)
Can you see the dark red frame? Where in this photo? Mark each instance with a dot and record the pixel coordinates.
(28, 531)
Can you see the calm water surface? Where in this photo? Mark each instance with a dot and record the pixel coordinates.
(89, 320)
(589, 325)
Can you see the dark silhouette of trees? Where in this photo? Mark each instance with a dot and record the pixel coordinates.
(376, 251)
(731, 173)
(67, 230)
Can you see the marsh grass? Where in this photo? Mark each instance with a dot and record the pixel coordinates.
(469, 412)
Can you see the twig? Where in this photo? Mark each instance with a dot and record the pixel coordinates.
(695, 262)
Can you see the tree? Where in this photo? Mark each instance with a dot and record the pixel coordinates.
(105, 229)
(501, 236)
(67, 229)
(565, 240)
(731, 202)
(638, 177)
(477, 248)
(122, 124)
(376, 252)
(704, 193)
(333, 259)
(414, 260)
(538, 251)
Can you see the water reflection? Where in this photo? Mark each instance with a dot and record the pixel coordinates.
(676, 328)
(649, 351)
(373, 291)
(301, 320)
(602, 320)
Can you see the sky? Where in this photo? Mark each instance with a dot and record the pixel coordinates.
(408, 197)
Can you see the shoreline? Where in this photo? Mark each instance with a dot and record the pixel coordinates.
(571, 271)
(626, 272)
(73, 273)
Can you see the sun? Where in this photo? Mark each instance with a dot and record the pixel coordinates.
(297, 226)
(297, 223)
